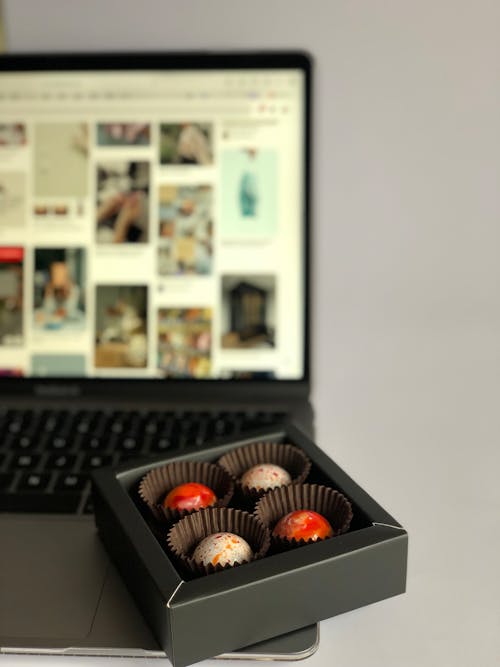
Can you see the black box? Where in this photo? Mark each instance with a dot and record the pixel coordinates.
(200, 618)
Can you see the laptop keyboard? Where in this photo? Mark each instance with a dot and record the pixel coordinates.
(46, 456)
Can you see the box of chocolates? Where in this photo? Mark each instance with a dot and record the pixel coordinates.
(241, 541)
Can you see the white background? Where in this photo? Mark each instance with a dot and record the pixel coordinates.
(406, 341)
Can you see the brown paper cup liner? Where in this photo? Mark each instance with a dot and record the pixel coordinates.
(158, 482)
(186, 534)
(289, 457)
(326, 501)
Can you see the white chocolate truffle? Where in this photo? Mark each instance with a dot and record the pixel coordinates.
(222, 549)
(265, 476)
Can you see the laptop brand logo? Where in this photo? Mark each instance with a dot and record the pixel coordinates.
(57, 390)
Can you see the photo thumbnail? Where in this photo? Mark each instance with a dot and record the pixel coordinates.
(58, 365)
(123, 134)
(121, 326)
(248, 193)
(186, 143)
(248, 311)
(59, 289)
(11, 295)
(60, 159)
(11, 372)
(12, 199)
(185, 239)
(12, 134)
(122, 212)
(184, 342)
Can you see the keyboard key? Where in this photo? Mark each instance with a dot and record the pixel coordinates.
(59, 442)
(150, 428)
(61, 461)
(83, 427)
(201, 438)
(15, 427)
(71, 483)
(64, 503)
(94, 443)
(23, 442)
(197, 434)
(96, 461)
(219, 426)
(152, 423)
(161, 444)
(129, 444)
(118, 423)
(50, 424)
(33, 481)
(25, 461)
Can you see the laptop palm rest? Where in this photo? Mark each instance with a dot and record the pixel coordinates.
(52, 585)
(60, 593)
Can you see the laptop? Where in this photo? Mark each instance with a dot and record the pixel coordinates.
(154, 296)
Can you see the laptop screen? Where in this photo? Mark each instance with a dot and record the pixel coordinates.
(152, 223)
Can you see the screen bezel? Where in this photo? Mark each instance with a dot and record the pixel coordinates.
(197, 388)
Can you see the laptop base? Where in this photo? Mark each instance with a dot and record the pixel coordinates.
(62, 584)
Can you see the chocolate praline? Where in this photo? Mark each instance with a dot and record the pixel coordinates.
(190, 496)
(265, 476)
(303, 525)
(222, 549)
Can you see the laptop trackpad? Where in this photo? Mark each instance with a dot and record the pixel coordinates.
(52, 572)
